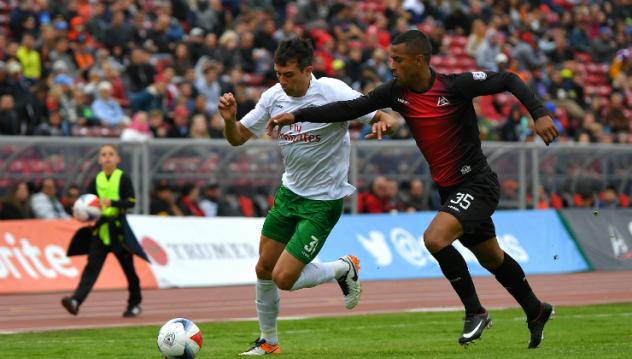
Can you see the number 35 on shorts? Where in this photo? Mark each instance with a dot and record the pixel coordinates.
(464, 200)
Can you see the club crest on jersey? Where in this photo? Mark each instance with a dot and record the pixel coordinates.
(479, 75)
(466, 169)
(442, 101)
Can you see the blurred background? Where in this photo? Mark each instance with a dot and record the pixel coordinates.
(146, 75)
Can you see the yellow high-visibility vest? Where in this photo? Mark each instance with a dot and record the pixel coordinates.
(108, 188)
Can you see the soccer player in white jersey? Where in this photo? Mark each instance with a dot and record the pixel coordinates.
(309, 201)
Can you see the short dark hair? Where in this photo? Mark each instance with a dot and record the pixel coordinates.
(295, 49)
(416, 41)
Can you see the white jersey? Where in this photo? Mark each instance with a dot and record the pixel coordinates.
(315, 155)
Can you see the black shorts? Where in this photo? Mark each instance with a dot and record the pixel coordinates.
(473, 202)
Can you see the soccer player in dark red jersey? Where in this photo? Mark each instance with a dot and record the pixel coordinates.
(439, 112)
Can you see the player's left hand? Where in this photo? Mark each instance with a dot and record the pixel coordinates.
(382, 125)
(279, 121)
(106, 202)
(546, 129)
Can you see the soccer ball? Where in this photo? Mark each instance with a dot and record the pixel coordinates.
(179, 338)
(87, 208)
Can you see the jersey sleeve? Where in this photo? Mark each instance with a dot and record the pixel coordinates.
(341, 111)
(255, 120)
(480, 83)
(337, 90)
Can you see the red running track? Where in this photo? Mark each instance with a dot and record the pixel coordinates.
(38, 312)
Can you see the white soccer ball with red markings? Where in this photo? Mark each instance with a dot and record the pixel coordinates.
(87, 208)
(179, 338)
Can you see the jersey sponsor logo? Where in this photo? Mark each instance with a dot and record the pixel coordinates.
(466, 169)
(479, 75)
(442, 101)
(401, 100)
(303, 137)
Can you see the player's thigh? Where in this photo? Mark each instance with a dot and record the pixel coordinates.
(318, 218)
(281, 220)
(472, 204)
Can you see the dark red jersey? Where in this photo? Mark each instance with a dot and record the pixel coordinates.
(441, 118)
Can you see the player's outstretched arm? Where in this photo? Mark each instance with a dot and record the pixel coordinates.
(546, 129)
(278, 121)
(234, 132)
(381, 125)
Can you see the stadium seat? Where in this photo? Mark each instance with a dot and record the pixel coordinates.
(246, 206)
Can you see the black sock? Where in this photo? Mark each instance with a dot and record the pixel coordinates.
(512, 277)
(455, 270)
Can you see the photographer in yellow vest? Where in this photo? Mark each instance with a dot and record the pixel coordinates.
(109, 234)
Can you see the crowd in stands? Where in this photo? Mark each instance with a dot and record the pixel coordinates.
(384, 195)
(155, 69)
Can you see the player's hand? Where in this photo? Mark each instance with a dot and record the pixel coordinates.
(279, 121)
(106, 202)
(227, 107)
(546, 129)
(382, 125)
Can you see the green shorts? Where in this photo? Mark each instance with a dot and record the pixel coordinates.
(301, 224)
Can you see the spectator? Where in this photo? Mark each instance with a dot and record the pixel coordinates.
(210, 203)
(164, 203)
(374, 200)
(30, 59)
(189, 201)
(609, 198)
(68, 199)
(489, 50)
(199, 127)
(54, 126)
(45, 204)
(417, 199)
(10, 123)
(516, 127)
(476, 38)
(209, 87)
(151, 98)
(140, 73)
(616, 118)
(16, 204)
(139, 129)
(106, 108)
(180, 128)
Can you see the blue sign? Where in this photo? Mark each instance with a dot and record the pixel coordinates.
(391, 246)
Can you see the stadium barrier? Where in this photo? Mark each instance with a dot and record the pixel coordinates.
(190, 252)
(605, 236)
(391, 246)
(255, 169)
(33, 259)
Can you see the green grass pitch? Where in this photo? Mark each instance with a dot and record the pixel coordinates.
(603, 331)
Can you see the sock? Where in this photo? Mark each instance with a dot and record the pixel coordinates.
(317, 273)
(512, 277)
(267, 309)
(455, 270)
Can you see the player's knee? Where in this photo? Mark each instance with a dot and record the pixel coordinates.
(434, 240)
(283, 281)
(263, 271)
